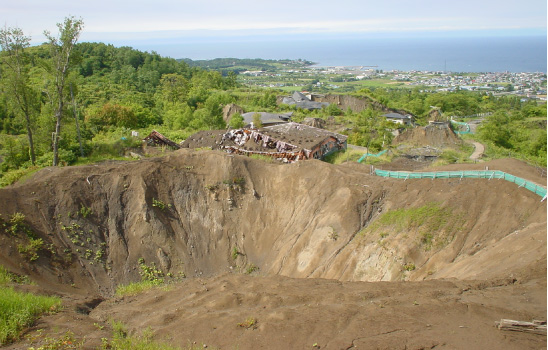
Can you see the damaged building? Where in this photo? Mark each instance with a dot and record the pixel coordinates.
(289, 142)
(157, 139)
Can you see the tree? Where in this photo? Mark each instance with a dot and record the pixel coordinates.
(173, 88)
(15, 76)
(62, 60)
(496, 129)
(236, 121)
(113, 115)
(257, 122)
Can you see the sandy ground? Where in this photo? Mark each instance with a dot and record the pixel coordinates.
(318, 283)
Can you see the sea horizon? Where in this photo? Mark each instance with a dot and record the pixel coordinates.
(451, 54)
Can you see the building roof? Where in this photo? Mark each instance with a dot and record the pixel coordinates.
(301, 101)
(396, 116)
(267, 118)
(300, 135)
(299, 97)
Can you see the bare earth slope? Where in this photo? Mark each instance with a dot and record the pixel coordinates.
(311, 236)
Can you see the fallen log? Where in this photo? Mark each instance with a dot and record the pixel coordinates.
(536, 327)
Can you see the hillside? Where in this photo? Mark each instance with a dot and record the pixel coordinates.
(316, 253)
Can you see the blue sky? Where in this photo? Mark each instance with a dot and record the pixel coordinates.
(139, 22)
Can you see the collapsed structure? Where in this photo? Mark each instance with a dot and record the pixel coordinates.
(157, 139)
(289, 142)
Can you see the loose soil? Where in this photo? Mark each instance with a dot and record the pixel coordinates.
(281, 256)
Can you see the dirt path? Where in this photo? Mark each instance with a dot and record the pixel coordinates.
(478, 152)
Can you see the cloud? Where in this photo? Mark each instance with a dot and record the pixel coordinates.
(161, 18)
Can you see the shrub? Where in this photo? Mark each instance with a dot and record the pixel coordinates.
(85, 211)
(158, 204)
(30, 250)
(251, 268)
(12, 176)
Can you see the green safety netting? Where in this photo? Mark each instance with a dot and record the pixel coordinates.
(468, 174)
(371, 155)
(466, 125)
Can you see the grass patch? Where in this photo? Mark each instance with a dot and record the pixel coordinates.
(19, 310)
(121, 340)
(348, 155)
(262, 157)
(5, 276)
(151, 277)
(353, 155)
(435, 225)
(136, 288)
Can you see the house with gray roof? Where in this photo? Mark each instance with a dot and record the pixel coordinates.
(399, 118)
(301, 101)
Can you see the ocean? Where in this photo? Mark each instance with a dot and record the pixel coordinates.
(455, 54)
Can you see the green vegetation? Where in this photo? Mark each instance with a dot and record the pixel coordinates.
(434, 224)
(30, 250)
(249, 323)
(151, 277)
(19, 310)
(16, 223)
(235, 253)
(409, 267)
(516, 134)
(261, 157)
(158, 204)
(121, 340)
(65, 342)
(120, 90)
(85, 211)
(251, 268)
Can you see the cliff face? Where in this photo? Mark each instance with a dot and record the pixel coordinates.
(208, 213)
(357, 104)
(275, 256)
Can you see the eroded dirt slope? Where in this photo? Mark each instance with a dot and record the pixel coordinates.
(214, 217)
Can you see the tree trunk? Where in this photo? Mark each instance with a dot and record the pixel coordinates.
(58, 115)
(31, 142)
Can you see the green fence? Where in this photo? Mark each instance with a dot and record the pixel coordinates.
(371, 155)
(466, 125)
(469, 174)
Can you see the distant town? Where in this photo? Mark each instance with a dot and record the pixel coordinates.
(527, 85)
